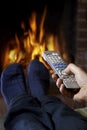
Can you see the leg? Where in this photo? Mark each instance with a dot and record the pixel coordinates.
(26, 114)
(64, 118)
(23, 111)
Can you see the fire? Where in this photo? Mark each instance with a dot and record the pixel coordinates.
(30, 45)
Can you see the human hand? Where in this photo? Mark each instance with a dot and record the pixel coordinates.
(81, 78)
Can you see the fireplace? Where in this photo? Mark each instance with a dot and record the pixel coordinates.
(47, 27)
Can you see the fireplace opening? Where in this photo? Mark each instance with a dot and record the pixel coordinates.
(43, 28)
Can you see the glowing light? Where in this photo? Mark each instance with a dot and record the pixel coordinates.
(29, 47)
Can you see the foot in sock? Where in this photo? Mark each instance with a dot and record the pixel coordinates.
(38, 79)
(12, 82)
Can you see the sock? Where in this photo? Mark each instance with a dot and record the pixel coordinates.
(12, 82)
(38, 78)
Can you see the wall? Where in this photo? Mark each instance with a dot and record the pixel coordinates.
(81, 34)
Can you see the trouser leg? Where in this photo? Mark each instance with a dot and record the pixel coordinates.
(64, 118)
(26, 114)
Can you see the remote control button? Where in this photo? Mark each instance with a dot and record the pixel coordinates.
(64, 75)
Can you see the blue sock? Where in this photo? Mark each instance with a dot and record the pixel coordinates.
(12, 82)
(38, 78)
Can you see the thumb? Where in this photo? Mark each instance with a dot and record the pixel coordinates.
(71, 68)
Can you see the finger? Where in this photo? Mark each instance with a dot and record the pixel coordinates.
(66, 92)
(59, 82)
(55, 76)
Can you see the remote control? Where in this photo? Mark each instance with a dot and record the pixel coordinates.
(58, 65)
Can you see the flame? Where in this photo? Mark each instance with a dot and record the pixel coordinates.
(31, 45)
(41, 25)
(38, 46)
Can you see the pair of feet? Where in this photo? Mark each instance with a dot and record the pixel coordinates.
(13, 82)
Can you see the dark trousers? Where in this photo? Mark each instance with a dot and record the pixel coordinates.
(26, 113)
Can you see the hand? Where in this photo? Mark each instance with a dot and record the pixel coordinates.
(81, 78)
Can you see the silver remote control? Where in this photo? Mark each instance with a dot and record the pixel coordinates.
(58, 65)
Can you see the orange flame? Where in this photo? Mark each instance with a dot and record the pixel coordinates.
(28, 47)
